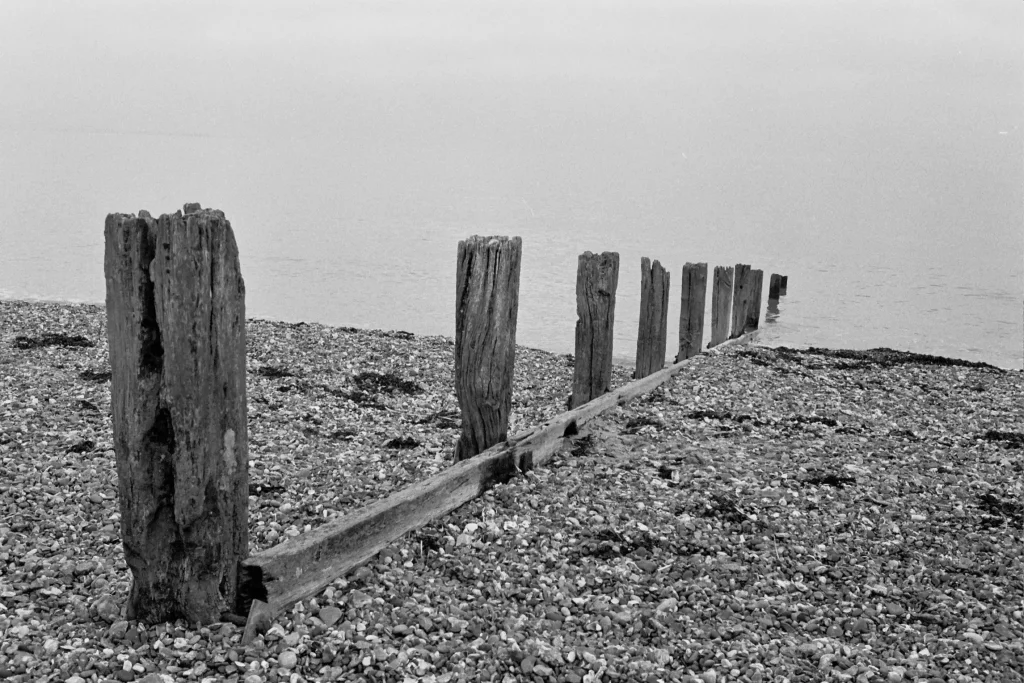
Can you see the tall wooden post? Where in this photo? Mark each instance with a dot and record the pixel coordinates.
(597, 278)
(652, 336)
(691, 309)
(741, 291)
(486, 313)
(721, 305)
(774, 284)
(176, 331)
(783, 283)
(754, 309)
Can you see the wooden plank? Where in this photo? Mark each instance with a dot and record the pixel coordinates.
(721, 305)
(486, 310)
(740, 298)
(691, 309)
(652, 335)
(597, 278)
(303, 566)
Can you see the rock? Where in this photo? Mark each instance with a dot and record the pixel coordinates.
(973, 637)
(425, 623)
(330, 615)
(125, 675)
(118, 630)
(709, 676)
(287, 659)
(158, 678)
(50, 646)
(106, 609)
(253, 678)
(667, 605)
(359, 599)
(528, 663)
(74, 679)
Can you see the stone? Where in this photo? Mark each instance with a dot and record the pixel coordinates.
(330, 615)
(287, 659)
(118, 630)
(106, 609)
(359, 599)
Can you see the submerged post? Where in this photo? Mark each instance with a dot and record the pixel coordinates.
(176, 332)
(741, 290)
(754, 308)
(783, 283)
(774, 284)
(721, 305)
(597, 278)
(652, 336)
(486, 313)
(691, 309)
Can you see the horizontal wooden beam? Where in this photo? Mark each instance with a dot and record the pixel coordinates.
(303, 566)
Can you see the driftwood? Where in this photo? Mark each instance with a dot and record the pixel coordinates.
(597, 278)
(721, 305)
(652, 336)
(303, 566)
(691, 309)
(486, 310)
(176, 329)
(741, 291)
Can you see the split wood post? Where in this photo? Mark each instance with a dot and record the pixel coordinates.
(652, 336)
(740, 298)
(176, 332)
(782, 285)
(721, 305)
(691, 309)
(597, 278)
(774, 284)
(486, 312)
(754, 308)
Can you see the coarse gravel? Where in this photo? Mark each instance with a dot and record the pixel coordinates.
(767, 515)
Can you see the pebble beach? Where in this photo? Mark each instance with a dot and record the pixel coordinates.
(766, 515)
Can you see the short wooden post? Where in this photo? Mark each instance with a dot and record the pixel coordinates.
(486, 312)
(741, 292)
(721, 305)
(754, 308)
(691, 309)
(774, 284)
(652, 336)
(782, 285)
(597, 278)
(176, 332)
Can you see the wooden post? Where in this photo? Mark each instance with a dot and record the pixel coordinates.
(740, 298)
(597, 278)
(721, 305)
(774, 284)
(176, 332)
(691, 309)
(782, 285)
(754, 309)
(486, 312)
(652, 336)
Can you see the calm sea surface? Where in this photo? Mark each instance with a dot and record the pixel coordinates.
(871, 151)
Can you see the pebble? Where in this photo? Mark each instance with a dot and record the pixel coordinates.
(287, 659)
(106, 609)
(330, 615)
(118, 630)
(359, 599)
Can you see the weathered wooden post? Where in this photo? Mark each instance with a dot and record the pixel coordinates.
(754, 308)
(597, 278)
(783, 283)
(721, 304)
(741, 286)
(691, 309)
(176, 330)
(774, 284)
(652, 336)
(486, 313)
